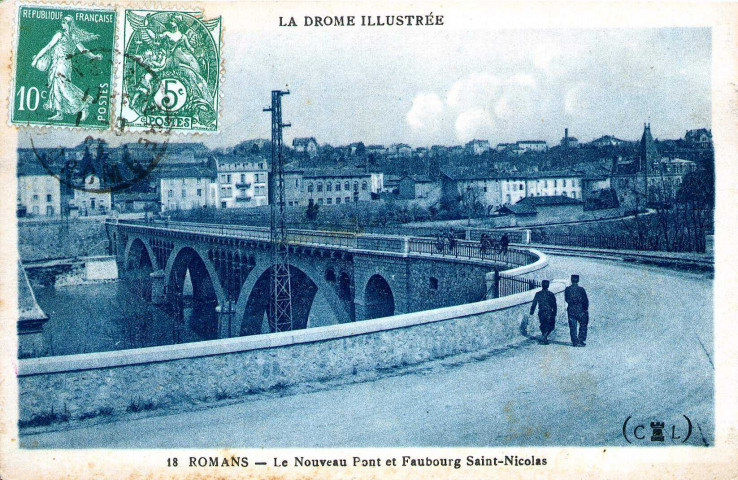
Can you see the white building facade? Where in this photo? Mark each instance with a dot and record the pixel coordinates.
(40, 194)
(242, 182)
(92, 199)
(188, 189)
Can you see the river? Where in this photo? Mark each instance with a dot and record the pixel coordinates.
(112, 316)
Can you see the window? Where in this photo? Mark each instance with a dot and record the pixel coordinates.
(222, 204)
(223, 178)
(297, 182)
(328, 187)
(184, 193)
(356, 186)
(433, 283)
(564, 182)
(329, 200)
(556, 183)
(347, 199)
(364, 185)
(199, 179)
(48, 197)
(170, 193)
(243, 178)
(320, 187)
(347, 186)
(35, 197)
(485, 189)
(310, 188)
(320, 201)
(338, 186)
(199, 192)
(338, 200)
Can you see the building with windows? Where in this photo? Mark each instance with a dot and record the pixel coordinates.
(532, 145)
(700, 138)
(188, 187)
(477, 147)
(39, 194)
(415, 186)
(306, 145)
(330, 186)
(509, 188)
(551, 184)
(242, 181)
(90, 200)
(466, 187)
(401, 150)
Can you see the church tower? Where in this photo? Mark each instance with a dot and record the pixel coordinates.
(647, 153)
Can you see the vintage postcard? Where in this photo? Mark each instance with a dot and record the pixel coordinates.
(368, 240)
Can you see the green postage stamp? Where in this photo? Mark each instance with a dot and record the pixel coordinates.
(63, 66)
(171, 71)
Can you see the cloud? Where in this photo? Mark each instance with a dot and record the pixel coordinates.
(474, 123)
(426, 112)
(473, 91)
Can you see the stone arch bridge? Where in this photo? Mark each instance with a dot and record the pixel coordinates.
(337, 277)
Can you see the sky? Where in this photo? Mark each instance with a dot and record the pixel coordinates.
(426, 87)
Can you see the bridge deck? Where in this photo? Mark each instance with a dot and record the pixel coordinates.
(391, 244)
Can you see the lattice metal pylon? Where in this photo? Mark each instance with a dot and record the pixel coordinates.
(280, 281)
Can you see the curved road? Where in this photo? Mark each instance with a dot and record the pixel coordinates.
(648, 356)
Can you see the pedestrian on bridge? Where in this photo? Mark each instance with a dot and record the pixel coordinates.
(504, 242)
(578, 310)
(546, 302)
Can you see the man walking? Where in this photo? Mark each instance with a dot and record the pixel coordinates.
(504, 242)
(546, 302)
(578, 310)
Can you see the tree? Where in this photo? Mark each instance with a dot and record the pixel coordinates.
(471, 202)
(311, 213)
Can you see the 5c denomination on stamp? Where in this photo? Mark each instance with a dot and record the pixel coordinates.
(64, 66)
(171, 71)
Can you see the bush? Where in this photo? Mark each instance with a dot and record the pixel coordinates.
(43, 419)
(138, 405)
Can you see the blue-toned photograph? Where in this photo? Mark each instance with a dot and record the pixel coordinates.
(397, 238)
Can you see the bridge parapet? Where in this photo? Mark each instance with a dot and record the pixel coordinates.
(463, 250)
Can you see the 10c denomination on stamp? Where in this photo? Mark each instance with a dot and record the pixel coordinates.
(63, 66)
(171, 71)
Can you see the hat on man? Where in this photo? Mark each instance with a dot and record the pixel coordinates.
(574, 278)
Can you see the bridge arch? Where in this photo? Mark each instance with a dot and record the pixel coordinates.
(193, 289)
(134, 249)
(140, 262)
(315, 301)
(379, 300)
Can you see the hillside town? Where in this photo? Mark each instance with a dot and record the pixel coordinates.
(477, 179)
